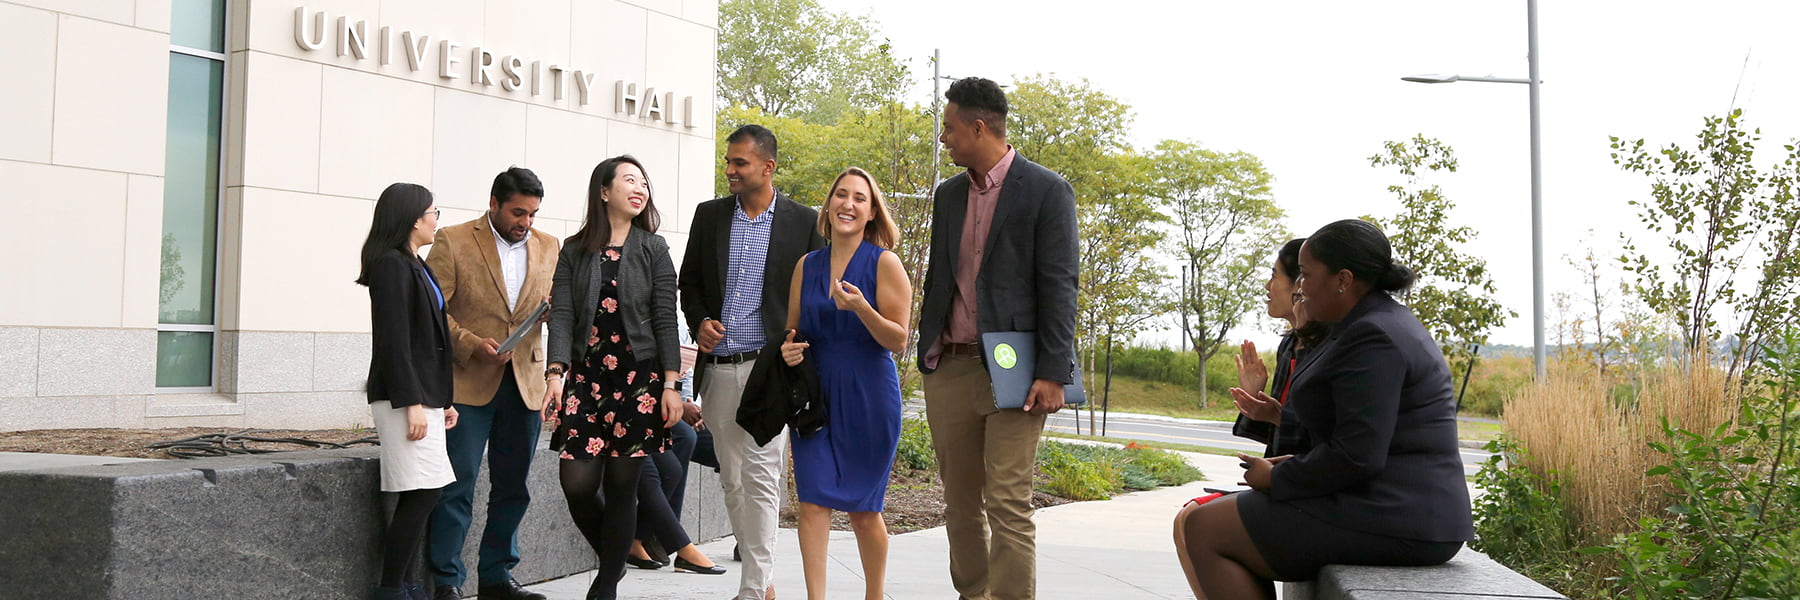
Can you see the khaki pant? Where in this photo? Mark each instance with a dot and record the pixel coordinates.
(986, 457)
(750, 475)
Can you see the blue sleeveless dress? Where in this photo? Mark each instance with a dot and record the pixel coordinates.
(845, 466)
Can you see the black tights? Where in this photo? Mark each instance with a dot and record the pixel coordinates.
(400, 545)
(608, 524)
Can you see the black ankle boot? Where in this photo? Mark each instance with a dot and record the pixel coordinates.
(391, 593)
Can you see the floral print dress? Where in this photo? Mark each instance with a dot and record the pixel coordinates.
(612, 407)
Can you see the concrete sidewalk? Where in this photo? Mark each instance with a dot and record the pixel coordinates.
(1119, 549)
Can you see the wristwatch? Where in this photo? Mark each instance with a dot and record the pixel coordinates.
(553, 372)
(672, 385)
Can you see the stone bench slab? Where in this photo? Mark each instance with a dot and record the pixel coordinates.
(1470, 575)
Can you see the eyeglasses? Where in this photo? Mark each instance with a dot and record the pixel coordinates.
(434, 213)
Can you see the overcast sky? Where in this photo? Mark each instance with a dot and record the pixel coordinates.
(1313, 88)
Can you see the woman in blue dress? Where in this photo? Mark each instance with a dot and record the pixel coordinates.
(850, 303)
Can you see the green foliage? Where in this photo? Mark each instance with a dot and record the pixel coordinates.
(1075, 479)
(1174, 367)
(1454, 294)
(1733, 229)
(1088, 472)
(794, 58)
(915, 451)
(1227, 229)
(1521, 521)
(1079, 131)
(1732, 529)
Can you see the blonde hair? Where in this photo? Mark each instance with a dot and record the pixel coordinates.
(880, 229)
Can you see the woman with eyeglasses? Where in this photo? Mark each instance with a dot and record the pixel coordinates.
(409, 376)
(613, 339)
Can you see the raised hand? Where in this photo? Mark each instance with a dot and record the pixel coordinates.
(1252, 373)
(848, 297)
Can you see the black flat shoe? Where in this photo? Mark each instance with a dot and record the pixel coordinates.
(648, 564)
(681, 564)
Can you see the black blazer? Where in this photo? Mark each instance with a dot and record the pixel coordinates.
(794, 233)
(646, 299)
(1028, 269)
(410, 363)
(1377, 398)
(1290, 437)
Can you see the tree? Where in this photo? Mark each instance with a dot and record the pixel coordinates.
(1732, 230)
(794, 58)
(1605, 345)
(1079, 131)
(1227, 225)
(1454, 293)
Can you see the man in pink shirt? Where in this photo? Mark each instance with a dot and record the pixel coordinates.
(1003, 258)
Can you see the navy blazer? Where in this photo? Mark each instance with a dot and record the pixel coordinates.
(1029, 266)
(794, 233)
(1376, 397)
(410, 361)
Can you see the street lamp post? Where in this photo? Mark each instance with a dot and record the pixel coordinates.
(1537, 179)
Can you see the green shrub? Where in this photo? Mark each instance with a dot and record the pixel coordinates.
(915, 451)
(1732, 529)
(1163, 467)
(1073, 478)
(1521, 521)
(1086, 472)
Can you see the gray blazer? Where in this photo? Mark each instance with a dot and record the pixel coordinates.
(646, 299)
(1028, 271)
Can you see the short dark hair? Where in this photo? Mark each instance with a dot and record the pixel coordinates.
(1359, 247)
(760, 136)
(980, 98)
(514, 181)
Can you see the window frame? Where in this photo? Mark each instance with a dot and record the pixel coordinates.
(225, 81)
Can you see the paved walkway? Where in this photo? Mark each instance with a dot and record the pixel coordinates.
(1119, 549)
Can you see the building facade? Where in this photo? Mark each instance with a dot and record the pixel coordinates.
(192, 179)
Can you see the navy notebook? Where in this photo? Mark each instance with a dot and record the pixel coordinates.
(1010, 355)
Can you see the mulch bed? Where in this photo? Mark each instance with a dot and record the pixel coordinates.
(915, 499)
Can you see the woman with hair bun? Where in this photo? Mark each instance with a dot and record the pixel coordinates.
(1383, 482)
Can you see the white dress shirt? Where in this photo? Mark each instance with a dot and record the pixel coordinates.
(513, 262)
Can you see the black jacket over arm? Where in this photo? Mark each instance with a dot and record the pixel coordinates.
(794, 233)
(410, 361)
(1377, 399)
(1029, 267)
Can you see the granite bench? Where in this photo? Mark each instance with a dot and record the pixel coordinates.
(1469, 576)
(289, 525)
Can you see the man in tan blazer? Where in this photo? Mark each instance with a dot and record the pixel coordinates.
(494, 271)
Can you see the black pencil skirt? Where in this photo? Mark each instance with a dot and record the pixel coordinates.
(1296, 545)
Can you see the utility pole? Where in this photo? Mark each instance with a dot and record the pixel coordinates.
(937, 112)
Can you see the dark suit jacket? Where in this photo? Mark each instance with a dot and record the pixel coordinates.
(1028, 270)
(646, 297)
(1290, 437)
(795, 233)
(410, 362)
(1377, 399)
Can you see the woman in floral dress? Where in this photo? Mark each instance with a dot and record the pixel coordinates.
(613, 341)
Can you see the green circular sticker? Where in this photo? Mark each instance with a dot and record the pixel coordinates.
(1005, 356)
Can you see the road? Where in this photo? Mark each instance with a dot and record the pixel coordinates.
(1204, 433)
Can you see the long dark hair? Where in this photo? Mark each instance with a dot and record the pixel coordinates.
(1359, 247)
(399, 207)
(596, 228)
(1289, 258)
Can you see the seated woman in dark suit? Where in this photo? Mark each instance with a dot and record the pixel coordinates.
(1383, 483)
(409, 375)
